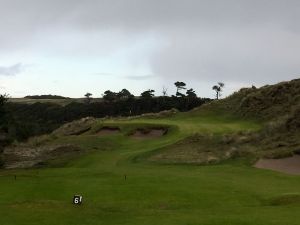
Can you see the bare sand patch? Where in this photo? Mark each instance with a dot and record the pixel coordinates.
(108, 131)
(289, 165)
(149, 133)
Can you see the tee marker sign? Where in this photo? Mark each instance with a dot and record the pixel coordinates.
(77, 199)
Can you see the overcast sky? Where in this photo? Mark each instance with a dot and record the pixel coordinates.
(69, 47)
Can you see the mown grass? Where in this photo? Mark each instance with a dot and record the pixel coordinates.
(230, 193)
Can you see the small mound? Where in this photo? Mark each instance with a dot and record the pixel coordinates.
(149, 133)
(289, 165)
(76, 127)
(108, 131)
(285, 199)
(196, 149)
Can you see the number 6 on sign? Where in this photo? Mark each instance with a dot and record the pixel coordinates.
(77, 199)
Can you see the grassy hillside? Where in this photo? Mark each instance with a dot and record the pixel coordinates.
(130, 172)
(277, 107)
(269, 102)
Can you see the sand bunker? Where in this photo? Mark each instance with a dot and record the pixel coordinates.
(289, 165)
(149, 133)
(108, 131)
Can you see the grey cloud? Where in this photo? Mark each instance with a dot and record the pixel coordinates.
(142, 77)
(11, 70)
(129, 77)
(250, 55)
(103, 74)
(144, 13)
(31, 17)
(232, 40)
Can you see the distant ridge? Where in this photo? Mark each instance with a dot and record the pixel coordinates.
(45, 97)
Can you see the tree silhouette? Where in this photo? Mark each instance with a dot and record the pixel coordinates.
(109, 96)
(164, 91)
(180, 86)
(125, 94)
(3, 100)
(147, 94)
(191, 93)
(88, 97)
(218, 89)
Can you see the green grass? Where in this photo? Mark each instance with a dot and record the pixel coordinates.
(231, 193)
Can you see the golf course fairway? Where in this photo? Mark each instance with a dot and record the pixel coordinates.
(121, 187)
